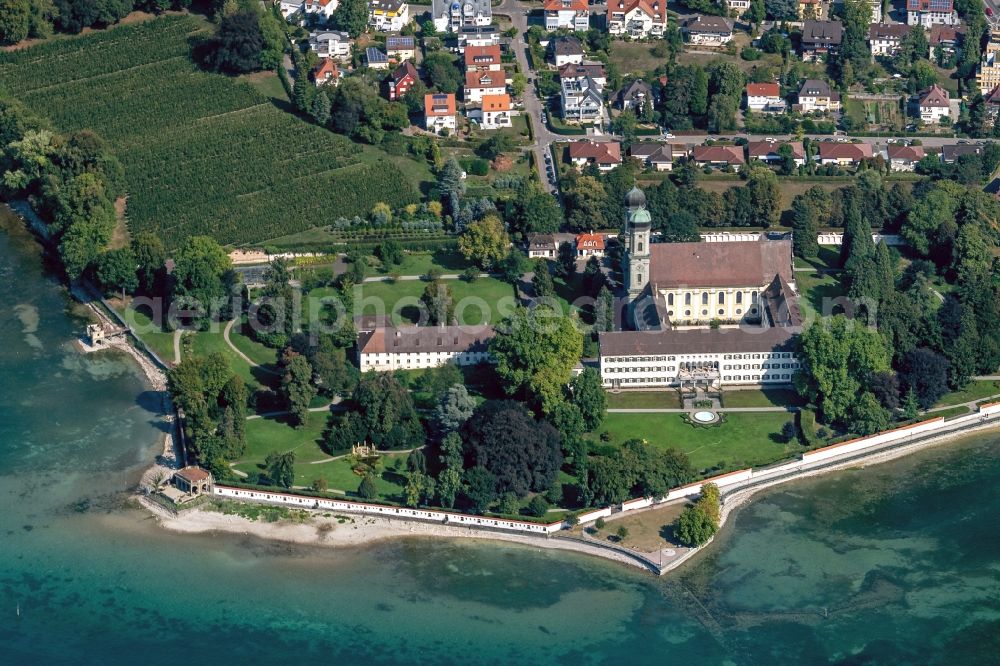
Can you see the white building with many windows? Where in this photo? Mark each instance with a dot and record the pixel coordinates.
(388, 15)
(713, 313)
(417, 347)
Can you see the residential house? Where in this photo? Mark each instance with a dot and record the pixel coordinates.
(709, 30)
(388, 15)
(816, 95)
(581, 100)
(326, 72)
(319, 11)
(844, 154)
(605, 154)
(932, 104)
(331, 44)
(544, 246)
(589, 245)
(593, 70)
(639, 19)
(416, 347)
(634, 95)
(737, 7)
(477, 35)
(658, 156)
(931, 12)
(567, 50)
(988, 73)
(400, 47)
(375, 59)
(765, 98)
(453, 16)
(439, 112)
(568, 14)
(884, 39)
(769, 151)
(478, 84)
(821, 38)
(902, 157)
(482, 59)
(290, 8)
(718, 156)
(953, 151)
(876, 10)
(814, 10)
(496, 112)
(403, 78)
(993, 104)
(947, 38)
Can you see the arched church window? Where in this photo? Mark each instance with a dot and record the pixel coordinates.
(670, 299)
(687, 299)
(704, 298)
(722, 298)
(739, 297)
(753, 297)
(640, 246)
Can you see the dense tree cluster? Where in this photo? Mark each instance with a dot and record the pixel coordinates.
(213, 400)
(700, 521)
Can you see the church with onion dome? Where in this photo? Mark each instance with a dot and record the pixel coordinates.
(708, 313)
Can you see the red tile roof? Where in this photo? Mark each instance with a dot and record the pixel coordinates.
(763, 90)
(842, 151)
(496, 102)
(425, 339)
(604, 152)
(724, 264)
(653, 8)
(727, 154)
(439, 104)
(485, 79)
(405, 71)
(765, 148)
(935, 96)
(192, 473)
(482, 56)
(326, 70)
(589, 241)
(898, 151)
(566, 5)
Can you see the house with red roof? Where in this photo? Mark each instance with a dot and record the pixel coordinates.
(927, 13)
(765, 98)
(403, 78)
(718, 156)
(483, 59)
(326, 72)
(639, 19)
(478, 84)
(589, 245)
(605, 154)
(439, 112)
(844, 154)
(902, 157)
(932, 104)
(496, 112)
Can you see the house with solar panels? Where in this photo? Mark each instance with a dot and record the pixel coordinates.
(927, 13)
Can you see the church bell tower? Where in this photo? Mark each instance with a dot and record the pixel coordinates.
(637, 225)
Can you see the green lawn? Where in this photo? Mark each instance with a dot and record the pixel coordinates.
(644, 400)
(447, 260)
(203, 343)
(815, 288)
(160, 341)
(485, 296)
(773, 397)
(976, 390)
(257, 352)
(272, 435)
(634, 57)
(743, 440)
(828, 257)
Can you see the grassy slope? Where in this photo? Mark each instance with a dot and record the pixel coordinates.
(203, 153)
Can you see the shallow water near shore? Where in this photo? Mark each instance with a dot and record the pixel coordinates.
(895, 564)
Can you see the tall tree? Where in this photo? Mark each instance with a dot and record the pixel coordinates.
(535, 351)
(440, 303)
(522, 454)
(296, 387)
(485, 241)
(281, 468)
(15, 20)
(351, 16)
(238, 44)
(588, 395)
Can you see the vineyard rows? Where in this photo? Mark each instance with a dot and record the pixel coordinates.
(203, 154)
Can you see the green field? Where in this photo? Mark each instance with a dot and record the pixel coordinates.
(486, 300)
(772, 397)
(447, 261)
(815, 289)
(159, 341)
(203, 153)
(976, 390)
(274, 435)
(644, 400)
(744, 440)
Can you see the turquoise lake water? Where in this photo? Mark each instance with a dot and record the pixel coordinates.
(897, 564)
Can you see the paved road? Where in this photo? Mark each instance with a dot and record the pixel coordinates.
(404, 278)
(533, 106)
(673, 410)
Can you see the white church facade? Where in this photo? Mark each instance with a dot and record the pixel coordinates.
(716, 314)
